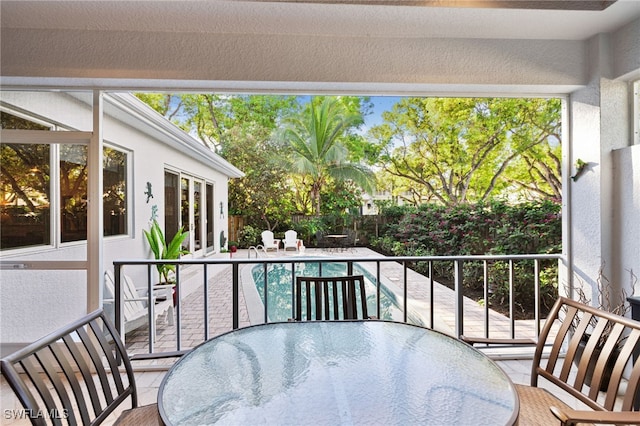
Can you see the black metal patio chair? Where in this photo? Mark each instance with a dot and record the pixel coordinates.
(72, 376)
(334, 298)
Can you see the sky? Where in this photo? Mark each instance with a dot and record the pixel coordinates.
(380, 105)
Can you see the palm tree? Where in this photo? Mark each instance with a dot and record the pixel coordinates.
(315, 138)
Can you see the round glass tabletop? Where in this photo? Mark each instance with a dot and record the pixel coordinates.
(341, 372)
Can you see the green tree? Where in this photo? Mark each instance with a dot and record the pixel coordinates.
(318, 152)
(466, 150)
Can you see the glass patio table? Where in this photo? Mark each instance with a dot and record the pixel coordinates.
(336, 372)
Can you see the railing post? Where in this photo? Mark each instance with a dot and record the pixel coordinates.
(236, 296)
(459, 297)
(512, 299)
(405, 293)
(150, 310)
(118, 300)
(486, 298)
(431, 301)
(178, 321)
(536, 291)
(266, 293)
(293, 290)
(377, 289)
(206, 301)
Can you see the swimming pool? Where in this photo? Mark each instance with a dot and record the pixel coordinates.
(279, 289)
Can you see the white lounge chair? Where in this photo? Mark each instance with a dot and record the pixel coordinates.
(134, 308)
(291, 240)
(268, 242)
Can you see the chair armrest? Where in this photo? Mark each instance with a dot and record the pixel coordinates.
(488, 341)
(160, 291)
(570, 417)
(161, 286)
(163, 291)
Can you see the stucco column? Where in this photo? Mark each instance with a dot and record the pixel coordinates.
(599, 115)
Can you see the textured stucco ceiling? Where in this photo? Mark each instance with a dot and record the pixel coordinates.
(327, 46)
(323, 19)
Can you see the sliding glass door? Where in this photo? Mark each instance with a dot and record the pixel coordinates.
(194, 202)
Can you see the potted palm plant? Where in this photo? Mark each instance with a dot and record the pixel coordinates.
(163, 251)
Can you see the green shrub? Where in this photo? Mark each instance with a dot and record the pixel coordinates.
(483, 228)
(308, 227)
(249, 236)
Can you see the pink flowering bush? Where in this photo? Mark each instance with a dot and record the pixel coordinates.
(483, 228)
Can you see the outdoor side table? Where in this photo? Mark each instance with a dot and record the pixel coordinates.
(341, 372)
(337, 241)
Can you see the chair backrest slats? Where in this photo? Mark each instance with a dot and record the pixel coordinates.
(556, 349)
(633, 387)
(97, 364)
(72, 376)
(330, 298)
(131, 308)
(73, 383)
(346, 305)
(588, 353)
(574, 341)
(81, 365)
(109, 356)
(34, 375)
(603, 363)
(336, 305)
(591, 355)
(54, 378)
(631, 343)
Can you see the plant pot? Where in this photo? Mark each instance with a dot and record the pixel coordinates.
(233, 249)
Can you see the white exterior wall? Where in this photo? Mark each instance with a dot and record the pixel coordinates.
(605, 244)
(55, 298)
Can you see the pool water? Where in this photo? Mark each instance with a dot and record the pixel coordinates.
(279, 289)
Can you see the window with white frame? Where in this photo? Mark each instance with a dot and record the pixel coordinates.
(44, 190)
(114, 175)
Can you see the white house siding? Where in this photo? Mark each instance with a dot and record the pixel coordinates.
(33, 303)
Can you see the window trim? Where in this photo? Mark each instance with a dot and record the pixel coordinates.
(64, 137)
(51, 138)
